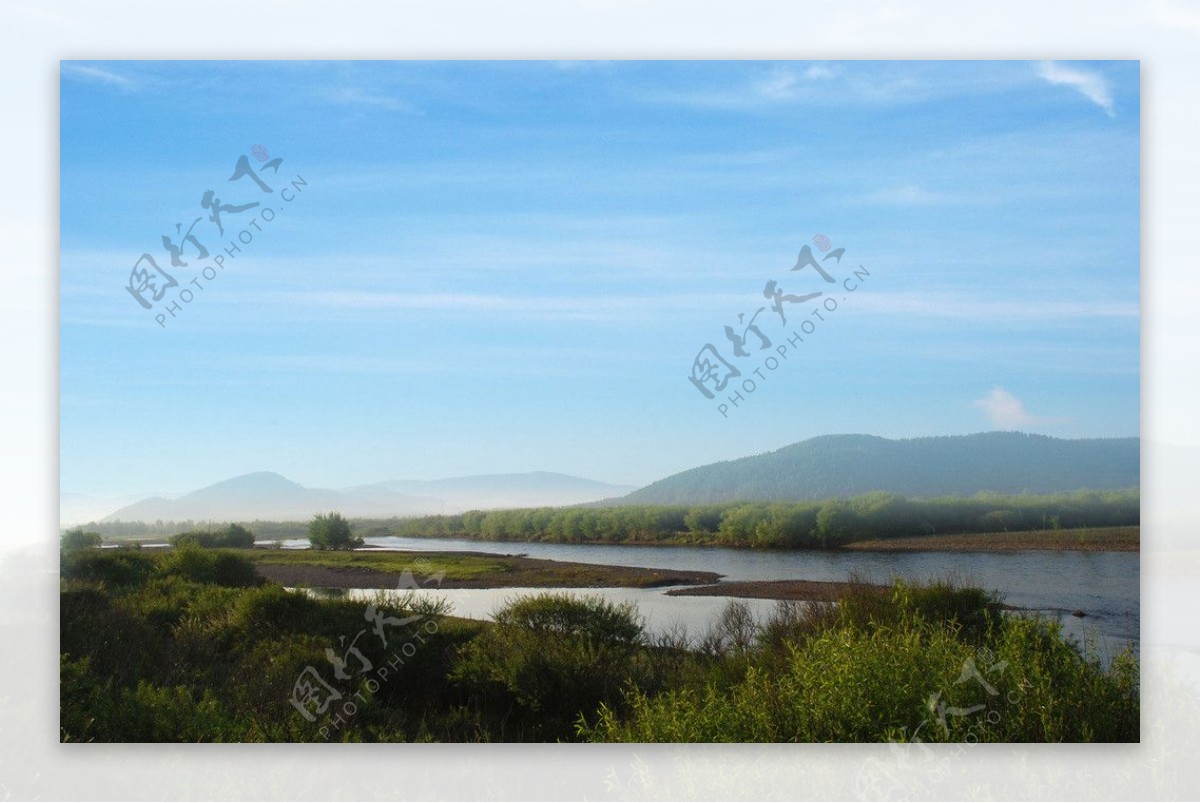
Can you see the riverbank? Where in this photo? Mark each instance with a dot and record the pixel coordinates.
(314, 569)
(803, 590)
(1091, 539)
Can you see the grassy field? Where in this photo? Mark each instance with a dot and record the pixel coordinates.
(1088, 539)
(459, 569)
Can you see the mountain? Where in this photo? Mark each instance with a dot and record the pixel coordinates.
(489, 491)
(954, 465)
(76, 508)
(268, 496)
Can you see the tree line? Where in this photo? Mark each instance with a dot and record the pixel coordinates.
(785, 525)
(794, 525)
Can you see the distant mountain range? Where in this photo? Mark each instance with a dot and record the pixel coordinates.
(818, 468)
(268, 496)
(957, 465)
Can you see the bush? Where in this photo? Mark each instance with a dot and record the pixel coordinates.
(234, 536)
(914, 681)
(555, 657)
(78, 539)
(202, 566)
(331, 531)
(115, 568)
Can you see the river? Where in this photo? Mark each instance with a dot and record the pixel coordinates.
(1104, 585)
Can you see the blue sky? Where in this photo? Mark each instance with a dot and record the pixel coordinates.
(510, 266)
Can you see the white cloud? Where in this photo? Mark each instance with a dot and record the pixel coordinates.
(820, 72)
(93, 73)
(785, 83)
(779, 86)
(1006, 411)
(960, 306)
(605, 308)
(1091, 85)
(354, 96)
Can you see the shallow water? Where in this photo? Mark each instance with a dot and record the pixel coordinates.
(1104, 585)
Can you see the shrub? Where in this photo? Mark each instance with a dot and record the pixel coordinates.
(234, 536)
(78, 539)
(912, 681)
(202, 566)
(115, 568)
(554, 656)
(331, 531)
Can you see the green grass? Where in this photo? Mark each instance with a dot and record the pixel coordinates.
(456, 566)
(472, 570)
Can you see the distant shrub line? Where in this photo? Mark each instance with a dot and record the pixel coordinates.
(794, 525)
(787, 525)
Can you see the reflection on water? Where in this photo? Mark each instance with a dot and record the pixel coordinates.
(660, 612)
(1104, 585)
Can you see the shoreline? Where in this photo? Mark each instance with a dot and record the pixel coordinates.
(464, 570)
(797, 590)
(1121, 538)
(1089, 539)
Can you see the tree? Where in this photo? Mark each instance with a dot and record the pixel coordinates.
(234, 536)
(331, 531)
(78, 539)
(836, 523)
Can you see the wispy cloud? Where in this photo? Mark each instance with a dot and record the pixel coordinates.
(904, 195)
(102, 75)
(820, 72)
(1006, 411)
(357, 96)
(783, 83)
(961, 306)
(606, 308)
(1092, 85)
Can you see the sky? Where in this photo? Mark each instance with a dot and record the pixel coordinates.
(490, 267)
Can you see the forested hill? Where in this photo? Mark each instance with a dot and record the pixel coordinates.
(955, 465)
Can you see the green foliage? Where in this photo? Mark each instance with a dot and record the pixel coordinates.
(201, 565)
(553, 657)
(841, 466)
(95, 709)
(78, 539)
(115, 568)
(760, 524)
(780, 525)
(909, 671)
(233, 536)
(184, 645)
(331, 531)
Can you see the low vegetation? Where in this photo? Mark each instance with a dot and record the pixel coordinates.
(79, 539)
(331, 531)
(191, 644)
(829, 524)
(233, 536)
(367, 569)
(786, 525)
